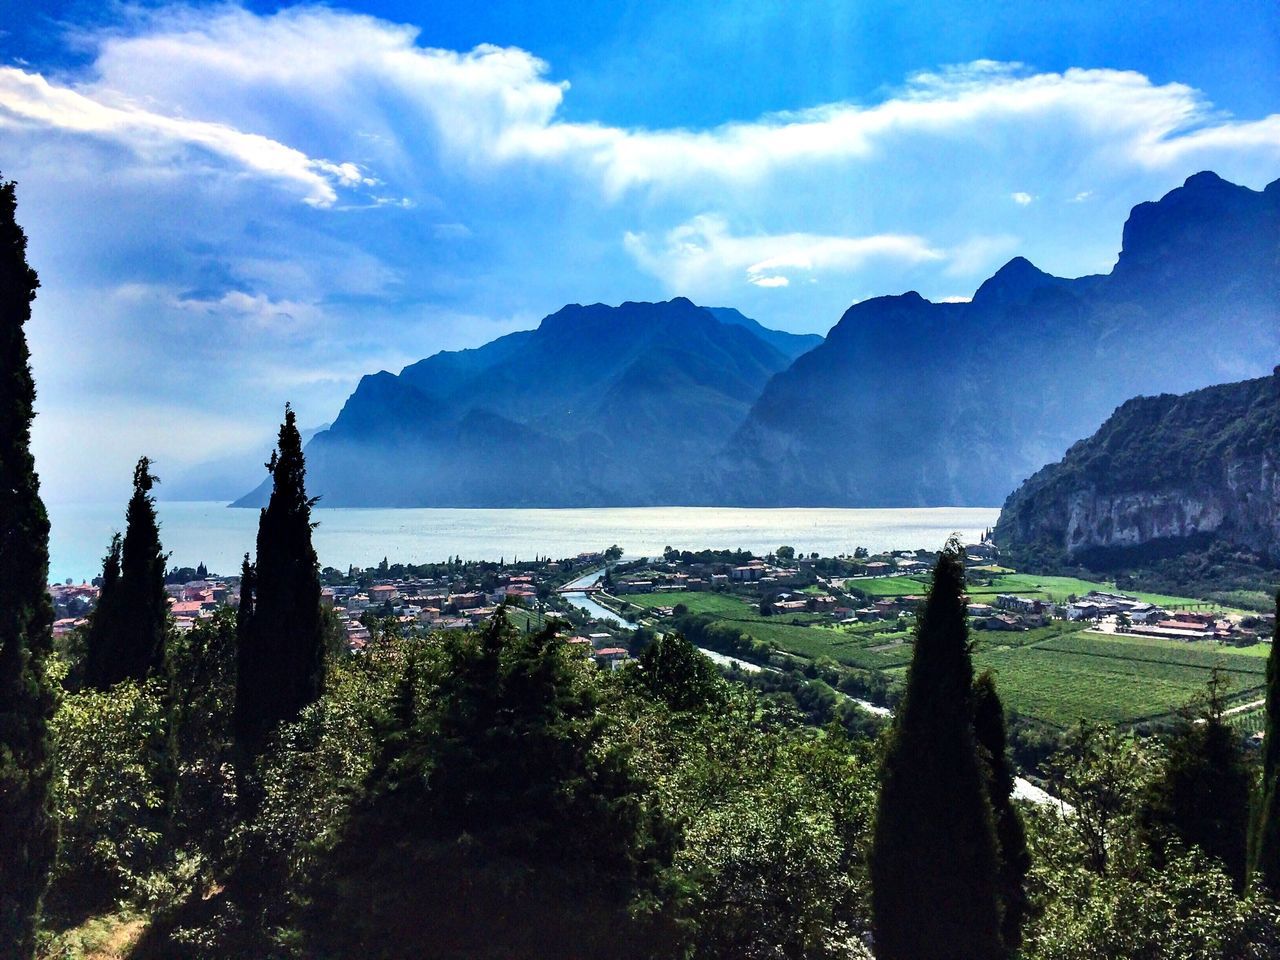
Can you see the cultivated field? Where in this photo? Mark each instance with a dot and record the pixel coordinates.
(1061, 673)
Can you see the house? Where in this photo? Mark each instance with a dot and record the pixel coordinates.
(66, 625)
(879, 569)
(611, 658)
(1001, 621)
(1084, 610)
(1016, 604)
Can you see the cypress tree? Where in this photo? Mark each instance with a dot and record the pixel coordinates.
(934, 865)
(28, 830)
(1265, 872)
(1011, 835)
(127, 631)
(104, 618)
(280, 665)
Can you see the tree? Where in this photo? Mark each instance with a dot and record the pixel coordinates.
(672, 670)
(786, 554)
(1101, 775)
(280, 626)
(1265, 860)
(1202, 798)
(1011, 835)
(126, 639)
(28, 837)
(934, 865)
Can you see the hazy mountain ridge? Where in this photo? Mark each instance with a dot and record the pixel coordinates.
(905, 403)
(1165, 468)
(912, 403)
(598, 406)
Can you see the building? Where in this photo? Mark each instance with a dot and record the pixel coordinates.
(611, 658)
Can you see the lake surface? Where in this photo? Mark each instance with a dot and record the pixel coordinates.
(218, 536)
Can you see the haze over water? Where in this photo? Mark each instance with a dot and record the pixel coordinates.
(211, 533)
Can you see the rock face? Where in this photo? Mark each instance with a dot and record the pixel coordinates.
(912, 403)
(1160, 471)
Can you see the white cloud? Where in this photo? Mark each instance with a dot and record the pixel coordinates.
(768, 281)
(703, 254)
(230, 81)
(29, 99)
(1021, 198)
(1081, 197)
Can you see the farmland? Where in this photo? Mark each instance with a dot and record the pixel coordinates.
(1081, 676)
(1060, 673)
(1053, 589)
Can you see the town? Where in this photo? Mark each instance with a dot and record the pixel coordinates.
(603, 603)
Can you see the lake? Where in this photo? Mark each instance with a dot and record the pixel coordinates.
(212, 533)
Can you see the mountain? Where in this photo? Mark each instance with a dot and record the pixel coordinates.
(913, 403)
(598, 406)
(1160, 472)
(220, 478)
(904, 403)
(790, 345)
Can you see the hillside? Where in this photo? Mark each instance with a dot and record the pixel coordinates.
(913, 403)
(1162, 472)
(598, 406)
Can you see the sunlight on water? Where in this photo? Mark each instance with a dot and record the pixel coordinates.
(219, 536)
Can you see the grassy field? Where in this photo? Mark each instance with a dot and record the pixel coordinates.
(1078, 675)
(723, 605)
(526, 620)
(1053, 589)
(889, 586)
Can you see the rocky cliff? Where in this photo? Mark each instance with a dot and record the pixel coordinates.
(1161, 472)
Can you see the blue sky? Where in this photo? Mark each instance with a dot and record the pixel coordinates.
(235, 205)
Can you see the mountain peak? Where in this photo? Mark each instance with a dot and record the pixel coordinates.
(1014, 283)
(1208, 222)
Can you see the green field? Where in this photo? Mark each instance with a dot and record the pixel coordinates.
(723, 605)
(889, 586)
(525, 620)
(1061, 673)
(1053, 589)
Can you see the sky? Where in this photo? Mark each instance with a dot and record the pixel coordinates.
(232, 206)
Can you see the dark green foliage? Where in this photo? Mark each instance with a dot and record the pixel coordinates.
(1011, 835)
(126, 637)
(934, 864)
(500, 818)
(1202, 799)
(281, 628)
(203, 668)
(112, 759)
(28, 831)
(672, 670)
(1265, 864)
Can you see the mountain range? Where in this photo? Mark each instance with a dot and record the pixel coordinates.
(904, 403)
